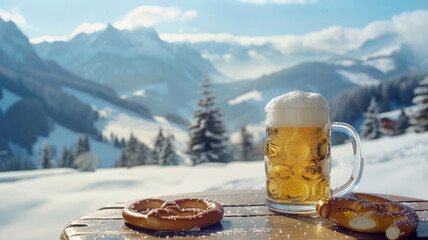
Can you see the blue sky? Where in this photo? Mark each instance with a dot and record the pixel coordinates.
(237, 17)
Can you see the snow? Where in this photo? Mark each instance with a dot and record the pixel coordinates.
(54, 197)
(394, 114)
(356, 78)
(61, 137)
(384, 65)
(141, 93)
(388, 51)
(123, 122)
(9, 98)
(252, 95)
(344, 62)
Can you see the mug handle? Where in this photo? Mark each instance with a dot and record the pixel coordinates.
(357, 171)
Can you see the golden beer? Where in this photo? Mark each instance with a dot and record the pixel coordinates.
(297, 153)
(297, 164)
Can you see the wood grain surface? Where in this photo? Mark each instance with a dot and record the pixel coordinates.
(246, 217)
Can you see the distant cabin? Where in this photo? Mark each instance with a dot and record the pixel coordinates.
(387, 125)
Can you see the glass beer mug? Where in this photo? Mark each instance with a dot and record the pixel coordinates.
(297, 153)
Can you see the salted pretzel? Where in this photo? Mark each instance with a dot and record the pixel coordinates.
(180, 214)
(368, 213)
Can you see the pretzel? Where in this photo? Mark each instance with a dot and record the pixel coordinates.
(371, 214)
(180, 214)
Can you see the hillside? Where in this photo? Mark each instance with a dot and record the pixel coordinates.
(37, 105)
(350, 105)
(238, 102)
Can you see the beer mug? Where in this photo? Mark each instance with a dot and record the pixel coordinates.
(297, 153)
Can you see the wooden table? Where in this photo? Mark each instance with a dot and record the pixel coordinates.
(246, 217)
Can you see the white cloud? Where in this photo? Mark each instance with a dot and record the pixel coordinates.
(413, 26)
(147, 16)
(88, 28)
(213, 37)
(336, 39)
(188, 14)
(261, 2)
(141, 16)
(82, 28)
(14, 16)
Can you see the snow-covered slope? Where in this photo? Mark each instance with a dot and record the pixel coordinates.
(8, 99)
(393, 166)
(122, 122)
(113, 120)
(61, 137)
(360, 79)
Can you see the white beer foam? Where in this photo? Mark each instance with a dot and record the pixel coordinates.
(297, 109)
(298, 99)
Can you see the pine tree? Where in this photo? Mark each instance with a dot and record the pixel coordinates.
(67, 158)
(86, 161)
(246, 144)
(402, 123)
(168, 156)
(385, 106)
(46, 156)
(86, 143)
(207, 133)
(371, 126)
(121, 162)
(82, 145)
(133, 154)
(144, 154)
(421, 100)
(157, 147)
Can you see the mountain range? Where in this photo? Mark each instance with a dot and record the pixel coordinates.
(370, 64)
(165, 76)
(41, 101)
(137, 64)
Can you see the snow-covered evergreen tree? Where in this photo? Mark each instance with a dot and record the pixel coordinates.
(46, 156)
(246, 144)
(82, 145)
(402, 123)
(207, 133)
(67, 158)
(157, 147)
(121, 162)
(86, 162)
(371, 126)
(421, 101)
(167, 155)
(385, 105)
(133, 154)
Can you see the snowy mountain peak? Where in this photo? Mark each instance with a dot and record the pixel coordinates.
(145, 32)
(15, 46)
(9, 28)
(112, 37)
